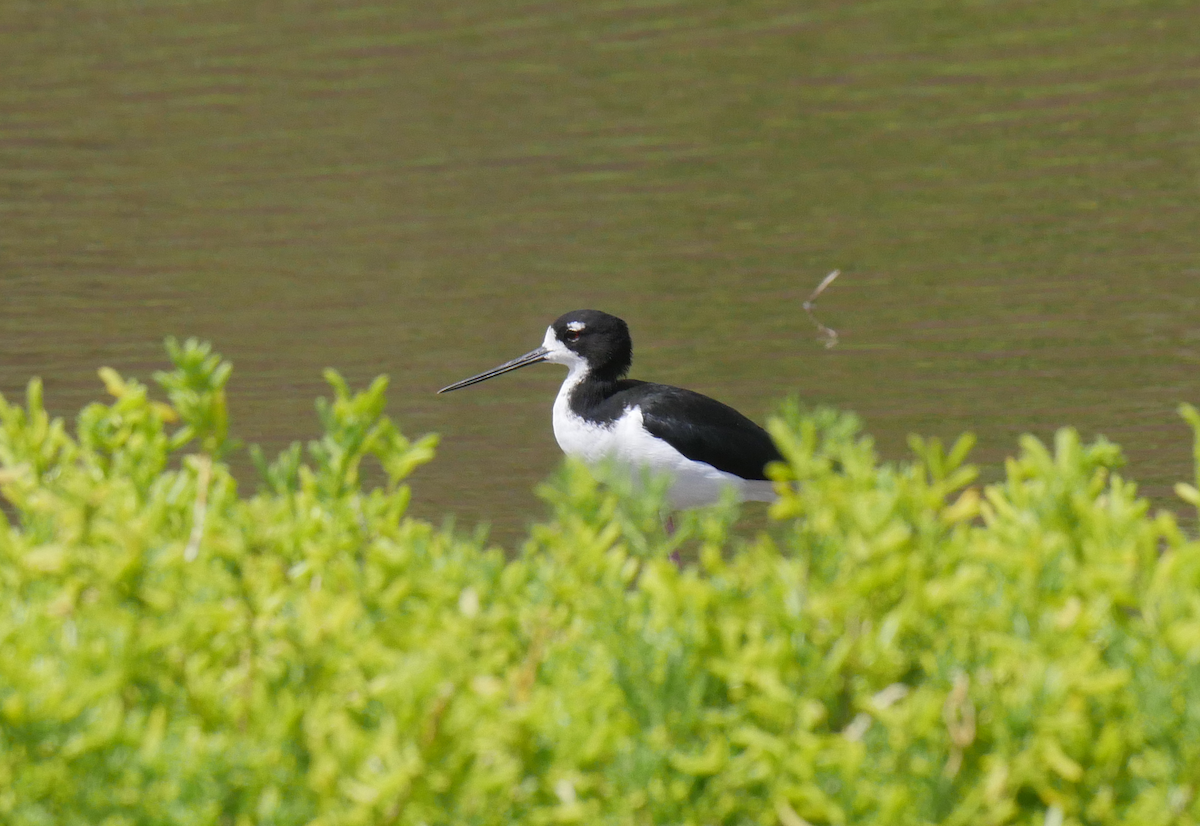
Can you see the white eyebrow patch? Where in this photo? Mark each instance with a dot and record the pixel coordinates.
(575, 326)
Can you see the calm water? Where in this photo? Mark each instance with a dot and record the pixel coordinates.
(1010, 189)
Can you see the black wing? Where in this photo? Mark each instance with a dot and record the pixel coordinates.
(704, 430)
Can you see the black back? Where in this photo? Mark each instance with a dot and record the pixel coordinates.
(702, 429)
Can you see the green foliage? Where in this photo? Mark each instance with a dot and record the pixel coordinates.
(196, 388)
(899, 647)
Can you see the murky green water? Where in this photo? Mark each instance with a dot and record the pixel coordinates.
(1010, 189)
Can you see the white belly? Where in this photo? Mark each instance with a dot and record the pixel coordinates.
(627, 442)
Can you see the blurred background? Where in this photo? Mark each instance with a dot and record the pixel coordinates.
(1010, 190)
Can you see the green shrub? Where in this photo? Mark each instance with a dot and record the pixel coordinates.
(898, 648)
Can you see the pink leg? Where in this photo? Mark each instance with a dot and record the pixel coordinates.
(674, 557)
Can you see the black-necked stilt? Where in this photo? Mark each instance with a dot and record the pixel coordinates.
(702, 444)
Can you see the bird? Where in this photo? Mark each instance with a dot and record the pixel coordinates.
(704, 446)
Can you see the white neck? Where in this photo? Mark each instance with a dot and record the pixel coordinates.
(576, 373)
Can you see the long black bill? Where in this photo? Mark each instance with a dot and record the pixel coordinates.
(532, 357)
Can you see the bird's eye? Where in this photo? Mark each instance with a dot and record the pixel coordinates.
(573, 335)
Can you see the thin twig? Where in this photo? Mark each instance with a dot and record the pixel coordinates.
(829, 335)
(959, 714)
(200, 509)
(787, 815)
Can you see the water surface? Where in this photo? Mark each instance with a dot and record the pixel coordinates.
(1010, 190)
